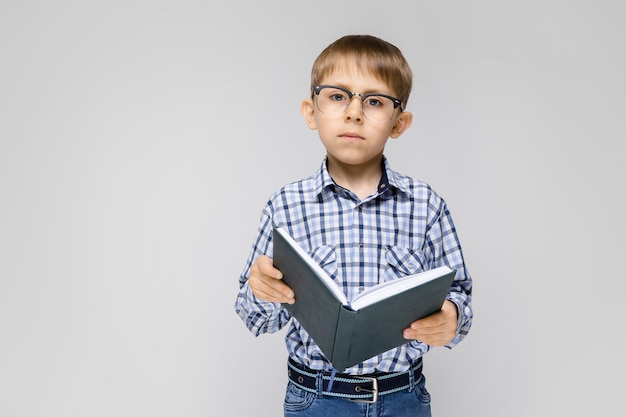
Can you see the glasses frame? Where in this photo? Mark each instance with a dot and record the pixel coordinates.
(396, 102)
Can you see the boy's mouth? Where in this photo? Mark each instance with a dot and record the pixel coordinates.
(349, 136)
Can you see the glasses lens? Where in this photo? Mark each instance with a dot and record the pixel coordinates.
(378, 109)
(334, 102)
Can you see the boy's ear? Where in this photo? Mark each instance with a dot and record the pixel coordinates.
(307, 108)
(403, 122)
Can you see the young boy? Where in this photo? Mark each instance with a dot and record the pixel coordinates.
(364, 224)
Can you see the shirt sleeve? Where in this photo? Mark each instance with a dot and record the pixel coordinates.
(259, 316)
(444, 244)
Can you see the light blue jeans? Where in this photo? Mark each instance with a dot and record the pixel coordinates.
(409, 403)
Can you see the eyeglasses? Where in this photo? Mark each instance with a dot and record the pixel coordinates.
(376, 107)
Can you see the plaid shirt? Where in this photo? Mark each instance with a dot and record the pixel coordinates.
(403, 228)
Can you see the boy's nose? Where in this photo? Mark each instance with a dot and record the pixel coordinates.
(355, 109)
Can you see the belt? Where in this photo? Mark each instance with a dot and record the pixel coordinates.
(360, 388)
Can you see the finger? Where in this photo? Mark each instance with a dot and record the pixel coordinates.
(265, 265)
(270, 294)
(428, 323)
(271, 289)
(433, 339)
(285, 293)
(273, 294)
(420, 334)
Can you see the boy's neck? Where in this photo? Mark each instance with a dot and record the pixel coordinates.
(362, 179)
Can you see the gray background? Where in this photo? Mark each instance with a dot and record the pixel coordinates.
(140, 139)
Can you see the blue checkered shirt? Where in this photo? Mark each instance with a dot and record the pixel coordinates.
(403, 228)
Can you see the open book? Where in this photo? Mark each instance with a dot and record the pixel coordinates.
(349, 332)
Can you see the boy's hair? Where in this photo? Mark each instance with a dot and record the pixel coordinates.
(371, 55)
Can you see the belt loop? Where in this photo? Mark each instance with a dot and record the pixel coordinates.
(332, 380)
(319, 384)
(411, 377)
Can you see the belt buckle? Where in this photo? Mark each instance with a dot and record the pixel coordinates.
(373, 391)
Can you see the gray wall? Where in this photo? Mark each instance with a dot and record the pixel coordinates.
(139, 141)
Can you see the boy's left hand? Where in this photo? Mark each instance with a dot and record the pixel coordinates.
(437, 329)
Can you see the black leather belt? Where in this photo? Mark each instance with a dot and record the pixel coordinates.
(363, 388)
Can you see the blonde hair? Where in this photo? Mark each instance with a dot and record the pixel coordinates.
(371, 55)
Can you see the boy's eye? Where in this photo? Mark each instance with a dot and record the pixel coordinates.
(338, 97)
(373, 102)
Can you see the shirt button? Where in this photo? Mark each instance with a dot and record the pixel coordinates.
(361, 288)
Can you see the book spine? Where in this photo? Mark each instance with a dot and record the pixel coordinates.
(342, 348)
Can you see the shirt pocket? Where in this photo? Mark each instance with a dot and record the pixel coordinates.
(403, 261)
(326, 257)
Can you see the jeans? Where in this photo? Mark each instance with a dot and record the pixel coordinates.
(408, 403)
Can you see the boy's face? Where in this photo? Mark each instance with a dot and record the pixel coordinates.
(350, 139)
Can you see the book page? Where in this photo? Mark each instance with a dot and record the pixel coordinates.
(388, 288)
(326, 279)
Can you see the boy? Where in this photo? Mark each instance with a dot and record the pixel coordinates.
(364, 224)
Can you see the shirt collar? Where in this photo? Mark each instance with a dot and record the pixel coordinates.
(389, 179)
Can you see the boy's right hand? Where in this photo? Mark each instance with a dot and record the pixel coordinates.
(266, 282)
